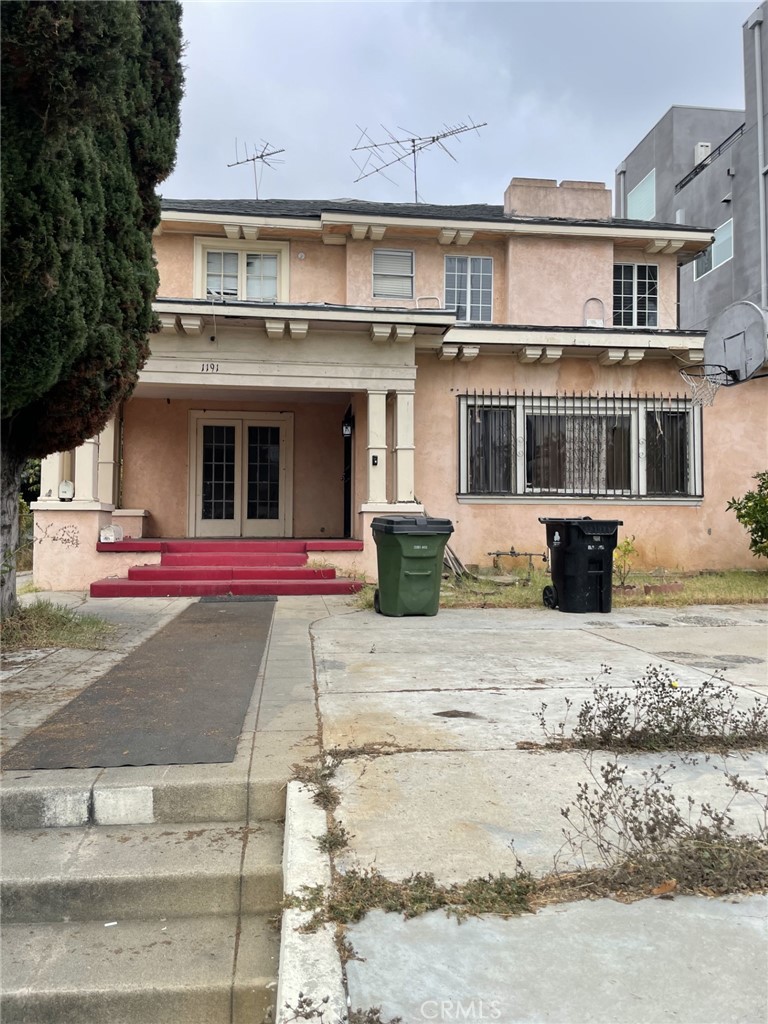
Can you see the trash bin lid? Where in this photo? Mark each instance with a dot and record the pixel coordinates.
(419, 525)
(594, 527)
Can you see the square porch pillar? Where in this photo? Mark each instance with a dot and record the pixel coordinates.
(377, 446)
(404, 446)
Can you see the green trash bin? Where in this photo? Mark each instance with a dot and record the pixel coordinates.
(409, 553)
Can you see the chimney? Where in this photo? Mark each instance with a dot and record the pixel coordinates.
(543, 197)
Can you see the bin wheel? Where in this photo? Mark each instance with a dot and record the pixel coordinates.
(376, 602)
(549, 597)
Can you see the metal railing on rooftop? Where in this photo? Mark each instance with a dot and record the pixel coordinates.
(703, 164)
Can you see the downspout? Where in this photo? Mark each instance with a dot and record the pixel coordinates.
(755, 24)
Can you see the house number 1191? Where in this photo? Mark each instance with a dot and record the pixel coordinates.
(209, 367)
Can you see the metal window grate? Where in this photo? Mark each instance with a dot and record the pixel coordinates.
(610, 446)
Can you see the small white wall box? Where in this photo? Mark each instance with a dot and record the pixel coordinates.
(66, 490)
(110, 534)
(701, 151)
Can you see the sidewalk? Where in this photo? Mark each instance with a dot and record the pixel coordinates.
(438, 706)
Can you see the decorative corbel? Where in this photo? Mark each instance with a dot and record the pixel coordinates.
(275, 329)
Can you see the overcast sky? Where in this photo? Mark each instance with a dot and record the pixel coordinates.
(567, 90)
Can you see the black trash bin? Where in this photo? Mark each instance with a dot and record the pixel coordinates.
(581, 563)
(409, 554)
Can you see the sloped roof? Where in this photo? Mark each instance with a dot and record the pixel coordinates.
(314, 208)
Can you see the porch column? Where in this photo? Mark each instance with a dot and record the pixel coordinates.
(377, 446)
(87, 471)
(107, 462)
(404, 446)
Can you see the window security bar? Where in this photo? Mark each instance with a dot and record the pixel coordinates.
(579, 445)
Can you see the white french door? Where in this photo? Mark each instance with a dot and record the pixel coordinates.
(243, 475)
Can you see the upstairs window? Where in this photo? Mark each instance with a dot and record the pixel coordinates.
(392, 274)
(469, 287)
(718, 253)
(635, 295)
(641, 200)
(580, 446)
(245, 271)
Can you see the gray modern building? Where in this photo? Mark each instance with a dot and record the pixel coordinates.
(707, 167)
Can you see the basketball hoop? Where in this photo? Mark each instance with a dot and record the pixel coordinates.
(705, 380)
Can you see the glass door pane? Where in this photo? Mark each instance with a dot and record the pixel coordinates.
(219, 460)
(263, 482)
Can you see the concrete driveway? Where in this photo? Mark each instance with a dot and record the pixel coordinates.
(432, 710)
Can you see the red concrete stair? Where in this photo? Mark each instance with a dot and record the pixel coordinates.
(190, 568)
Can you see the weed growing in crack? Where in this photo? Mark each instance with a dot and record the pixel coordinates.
(646, 841)
(308, 1008)
(659, 714)
(335, 839)
(319, 774)
(354, 893)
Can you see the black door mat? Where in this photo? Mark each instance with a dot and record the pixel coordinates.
(180, 698)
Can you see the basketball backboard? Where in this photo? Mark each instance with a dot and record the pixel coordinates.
(737, 340)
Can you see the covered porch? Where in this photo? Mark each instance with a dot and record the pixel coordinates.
(238, 436)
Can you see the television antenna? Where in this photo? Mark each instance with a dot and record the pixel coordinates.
(381, 155)
(263, 156)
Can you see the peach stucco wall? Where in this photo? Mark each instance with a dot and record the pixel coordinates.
(156, 462)
(429, 271)
(175, 262)
(703, 536)
(550, 279)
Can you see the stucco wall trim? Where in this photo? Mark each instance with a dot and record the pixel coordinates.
(559, 499)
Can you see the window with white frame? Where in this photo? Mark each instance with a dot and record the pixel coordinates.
(641, 200)
(635, 295)
(718, 253)
(246, 271)
(469, 287)
(582, 446)
(392, 274)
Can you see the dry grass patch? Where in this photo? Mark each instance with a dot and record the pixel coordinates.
(45, 625)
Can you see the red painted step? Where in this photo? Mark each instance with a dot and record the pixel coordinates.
(199, 568)
(207, 588)
(234, 558)
(227, 572)
(245, 546)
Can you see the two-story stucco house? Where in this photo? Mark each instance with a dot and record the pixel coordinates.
(324, 362)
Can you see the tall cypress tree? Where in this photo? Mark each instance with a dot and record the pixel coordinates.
(90, 119)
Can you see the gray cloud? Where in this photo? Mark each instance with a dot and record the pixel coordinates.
(567, 89)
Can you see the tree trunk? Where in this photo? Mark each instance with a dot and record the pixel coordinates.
(10, 481)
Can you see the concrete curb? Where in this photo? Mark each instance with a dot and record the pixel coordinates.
(309, 961)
